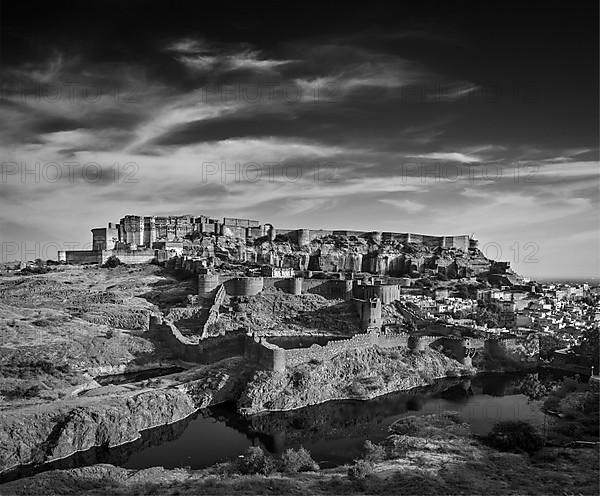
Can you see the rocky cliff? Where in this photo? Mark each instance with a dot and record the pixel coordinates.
(353, 374)
(111, 416)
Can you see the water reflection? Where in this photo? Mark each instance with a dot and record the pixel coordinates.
(334, 432)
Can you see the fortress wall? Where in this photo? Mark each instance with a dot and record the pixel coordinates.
(207, 284)
(317, 286)
(319, 353)
(369, 312)
(304, 236)
(300, 236)
(303, 341)
(387, 293)
(244, 286)
(431, 241)
(358, 234)
(130, 257)
(296, 285)
(414, 238)
(394, 236)
(338, 262)
(264, 355)
(319, 233)
(248, 286)
(329, 288)
(369, 263)
(460, 242)
(83, 257)
(286, 284)
(205, 351)
(402, 282)
(177, 342)
(213, 312)
(218, 348)
(269, 356)
(522, 349)
(341, 289)
(232, 221)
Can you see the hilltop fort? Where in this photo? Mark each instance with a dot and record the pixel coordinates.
(143, 239)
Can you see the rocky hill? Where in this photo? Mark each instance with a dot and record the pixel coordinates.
(352, 374)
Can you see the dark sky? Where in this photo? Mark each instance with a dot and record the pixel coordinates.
(403, 89)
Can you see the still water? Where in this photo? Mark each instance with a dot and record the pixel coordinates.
(333, 432)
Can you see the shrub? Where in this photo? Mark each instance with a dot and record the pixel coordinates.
(298, 461)
(358, 388)
(112, 262)
(569, 385)
(255, 461)
(395, 355)
(300, 378)
(35, 270)
(22, 392)
(515, 436)
(406, 426)
(374, 452)
(360, 470)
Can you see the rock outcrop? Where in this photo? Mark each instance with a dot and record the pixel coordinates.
(35, 435)
(353, 374)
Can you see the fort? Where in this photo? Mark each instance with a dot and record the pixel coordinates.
(142, 239)
(353, 266)
(264, 354)
(276, 353)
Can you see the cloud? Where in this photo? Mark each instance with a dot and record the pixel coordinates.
(199, 55)
(352, 132)
(408, 206)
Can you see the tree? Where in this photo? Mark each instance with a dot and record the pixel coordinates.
(298, 460)
(112, 262)
(485, 316)
(515, 436)
(255, 461)
(549, 344)
(590, 346)
(451, 271)
(463, 291)
(535, 389)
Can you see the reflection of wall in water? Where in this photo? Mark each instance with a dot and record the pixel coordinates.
(337, 419)
(498, 384)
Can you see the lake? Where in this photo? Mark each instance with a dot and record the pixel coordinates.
(333, 432)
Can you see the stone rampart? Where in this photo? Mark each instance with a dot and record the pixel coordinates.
(269, 356)
(244, 286)
(130, 257)
(213, 312)
(522, 349)
(203, 351)
(83, 257)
